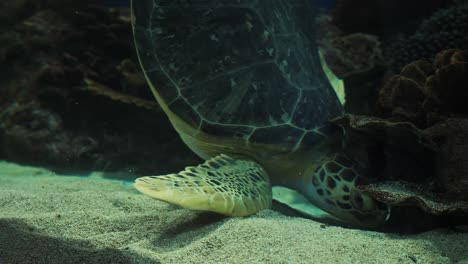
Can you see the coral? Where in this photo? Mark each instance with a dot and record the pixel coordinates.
(416, 155)
(423, 90)
(403, 95)
(419, 172)
(448, 88)
(446, 29)
(452, 20)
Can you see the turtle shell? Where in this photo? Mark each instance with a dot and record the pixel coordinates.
(245, 69)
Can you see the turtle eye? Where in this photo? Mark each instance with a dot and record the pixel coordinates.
(357, 201)
(365, 203)
(362, 202)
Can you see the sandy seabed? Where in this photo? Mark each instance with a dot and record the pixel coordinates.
(48, 218)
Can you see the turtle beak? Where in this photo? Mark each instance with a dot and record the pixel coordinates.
(367, 211)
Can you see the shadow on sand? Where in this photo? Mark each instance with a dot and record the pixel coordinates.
(20, 243)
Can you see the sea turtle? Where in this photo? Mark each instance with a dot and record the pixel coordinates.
(242, 83)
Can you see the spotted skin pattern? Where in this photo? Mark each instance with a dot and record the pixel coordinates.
(334, 188)
(221, 184)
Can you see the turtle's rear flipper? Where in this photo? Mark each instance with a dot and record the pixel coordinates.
(221, 184)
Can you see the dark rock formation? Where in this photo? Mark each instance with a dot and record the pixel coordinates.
(73, 96)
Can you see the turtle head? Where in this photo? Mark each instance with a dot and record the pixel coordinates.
(332, 187)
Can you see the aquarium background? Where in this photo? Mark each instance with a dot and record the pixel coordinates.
(73, 95)
(74, 102)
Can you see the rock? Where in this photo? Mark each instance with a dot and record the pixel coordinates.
(352, 54)
(421, 173)
(451, 137)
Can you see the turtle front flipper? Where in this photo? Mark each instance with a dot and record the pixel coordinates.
(222, 184)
